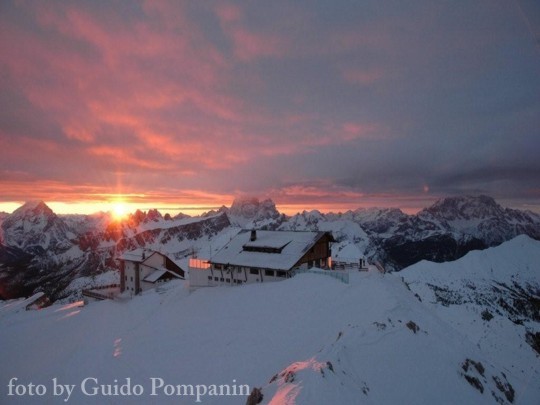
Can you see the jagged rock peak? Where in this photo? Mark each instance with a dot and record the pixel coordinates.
(137, 217)
(251, 207)
(34, 224)
(465, 207)
(153, 215)
(313, 214)
(33, 208)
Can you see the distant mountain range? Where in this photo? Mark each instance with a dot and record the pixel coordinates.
(43, 251)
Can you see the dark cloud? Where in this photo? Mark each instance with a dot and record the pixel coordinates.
(310, 101)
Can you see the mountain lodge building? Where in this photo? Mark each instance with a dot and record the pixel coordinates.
(261, 256)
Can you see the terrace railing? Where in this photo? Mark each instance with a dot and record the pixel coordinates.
(342, 276)
(101, 292)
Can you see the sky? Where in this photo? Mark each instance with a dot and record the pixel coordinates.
(325, 105)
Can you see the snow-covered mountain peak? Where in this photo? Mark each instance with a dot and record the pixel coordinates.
(250, 211)
(35, 224)
(465, 207)
(377, 211)
(250, 206)
(376, 215)
(305, 220)
(313, 215)
(33, 208)
(480, 217)
(153, 215)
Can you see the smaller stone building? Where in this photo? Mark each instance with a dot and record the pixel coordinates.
(141, 269)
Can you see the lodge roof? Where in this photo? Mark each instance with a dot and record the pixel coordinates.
(157, 274)
(137, 255)
(279, 250)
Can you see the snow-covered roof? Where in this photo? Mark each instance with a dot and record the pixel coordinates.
(348, 253)
(138, 255)
(287, 247)
(156, 275)
(271, 239)
(134, 255)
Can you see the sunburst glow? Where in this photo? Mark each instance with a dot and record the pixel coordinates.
(119, 210)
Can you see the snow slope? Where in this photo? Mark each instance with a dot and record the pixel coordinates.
(307, 340)
(492, 297)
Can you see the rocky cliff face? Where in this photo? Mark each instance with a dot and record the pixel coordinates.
(252, 213)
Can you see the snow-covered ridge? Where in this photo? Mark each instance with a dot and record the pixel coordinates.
(509, 262)
(306, 340)
(492, 297)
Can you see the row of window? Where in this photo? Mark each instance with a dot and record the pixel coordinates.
(268, 273)
(222, 267)
(271, 273)
(225, 280)
(255, 271)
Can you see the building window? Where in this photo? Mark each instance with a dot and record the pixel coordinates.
(222, 279)
(216, 279)
(239, 270)
(210, 278)
(253, 271)
(125, 278)
(228, 280)
(269, 273)
(280, 274)
(131, 278)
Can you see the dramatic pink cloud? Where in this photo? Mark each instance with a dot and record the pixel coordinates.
(330, 103)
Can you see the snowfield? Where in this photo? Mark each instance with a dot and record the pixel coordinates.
(307, 340)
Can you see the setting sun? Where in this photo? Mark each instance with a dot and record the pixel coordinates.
(119, 211)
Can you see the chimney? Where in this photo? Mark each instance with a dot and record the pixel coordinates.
(253, 235)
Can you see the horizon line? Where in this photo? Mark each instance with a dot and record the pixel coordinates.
(93, 208)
